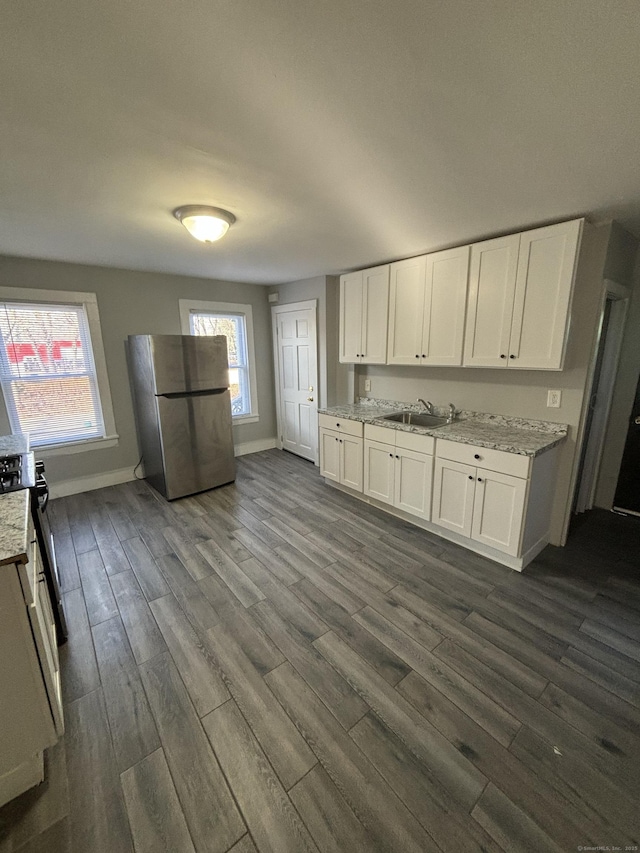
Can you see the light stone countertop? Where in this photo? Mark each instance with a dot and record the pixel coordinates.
(11, 445)
(14, 527)
(511, 435)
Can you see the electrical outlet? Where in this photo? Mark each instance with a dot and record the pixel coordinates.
(367, 385)
(554, 399)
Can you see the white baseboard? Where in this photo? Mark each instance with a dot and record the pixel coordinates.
(90, 482)
(124, 475)
(254, 446)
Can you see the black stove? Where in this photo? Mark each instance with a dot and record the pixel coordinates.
(21, 471)
(17, 472)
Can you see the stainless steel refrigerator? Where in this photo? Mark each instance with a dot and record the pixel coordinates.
(183, 411)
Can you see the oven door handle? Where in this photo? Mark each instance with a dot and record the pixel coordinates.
(42, 492)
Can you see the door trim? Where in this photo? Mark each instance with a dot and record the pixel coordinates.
(621, 294)
(311, 304)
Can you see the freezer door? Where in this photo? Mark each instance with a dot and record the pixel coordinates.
(183, 363)
(197, 443)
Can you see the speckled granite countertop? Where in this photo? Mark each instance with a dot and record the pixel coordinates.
(14, 525)
(13, 444)
(512, 435)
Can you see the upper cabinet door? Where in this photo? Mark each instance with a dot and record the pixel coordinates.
(375, 315)
(406, 301)
(351, 317)
(492, 282)
(544, 286)
(445, 302)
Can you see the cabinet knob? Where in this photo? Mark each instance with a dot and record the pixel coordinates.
(502, 355)
(340, 440)
(476, 456)
(470, 477)
(397, 457)
(336, 438)
(417, 356)
(512, 356)
(479, 479)
(391, 455)
(338, 425)
(423, 355)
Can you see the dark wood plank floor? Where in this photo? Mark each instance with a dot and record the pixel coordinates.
(274, 666)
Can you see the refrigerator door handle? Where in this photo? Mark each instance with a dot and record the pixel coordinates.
(176, 395)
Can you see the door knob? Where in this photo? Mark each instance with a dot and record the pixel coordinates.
(310, 399)
(310, 387)
(637, 420)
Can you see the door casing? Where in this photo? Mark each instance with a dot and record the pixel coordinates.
(276, 310)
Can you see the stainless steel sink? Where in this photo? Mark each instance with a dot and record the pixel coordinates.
(417, 419)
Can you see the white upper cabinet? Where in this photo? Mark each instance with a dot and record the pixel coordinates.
(544, 286)
(364, 311)
(445, 300)
(406, 307)
(520, 291)
(350, 316)
(427, 300)
(492, 285)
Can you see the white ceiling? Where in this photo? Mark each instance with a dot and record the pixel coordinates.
(341, 133)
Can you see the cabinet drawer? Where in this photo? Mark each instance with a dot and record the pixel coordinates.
(484, 457)
(341, 425)
(378, 433)
(415, 441)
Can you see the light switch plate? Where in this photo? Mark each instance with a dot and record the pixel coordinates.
(554, 398)
(367, 385)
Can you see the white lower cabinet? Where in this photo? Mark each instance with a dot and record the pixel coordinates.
(29, 673)
(490, 501)
(397, 474)
(340, 444)
(484, 505)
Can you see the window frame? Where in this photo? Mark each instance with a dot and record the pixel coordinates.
(188, 307)
(89, 301)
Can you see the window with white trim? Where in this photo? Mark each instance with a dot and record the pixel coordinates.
(50, 383)
(236, 324)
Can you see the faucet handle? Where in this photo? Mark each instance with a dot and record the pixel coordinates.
(452, 412)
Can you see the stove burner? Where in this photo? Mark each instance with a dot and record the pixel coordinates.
(10, 473)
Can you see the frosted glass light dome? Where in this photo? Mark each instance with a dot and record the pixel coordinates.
(206, 224)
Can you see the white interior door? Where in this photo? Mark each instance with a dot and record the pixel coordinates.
(295, 340)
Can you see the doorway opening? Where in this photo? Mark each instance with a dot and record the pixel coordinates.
(627, 497)
(612, 322)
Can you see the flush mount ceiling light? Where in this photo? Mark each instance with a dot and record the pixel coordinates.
(206, 224)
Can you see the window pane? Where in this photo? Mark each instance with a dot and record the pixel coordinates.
(230, 327)
(42, 341)
(48, 374)
(54, 410)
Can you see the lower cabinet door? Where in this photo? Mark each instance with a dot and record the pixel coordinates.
(351, 462)
(498, 510)
(413, 482)
(329, 455)
(453, 490)
(379, 464)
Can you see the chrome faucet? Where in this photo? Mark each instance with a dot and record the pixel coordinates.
(428, 405)
(452, 413)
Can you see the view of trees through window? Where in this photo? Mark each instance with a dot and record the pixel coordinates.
(47, 372)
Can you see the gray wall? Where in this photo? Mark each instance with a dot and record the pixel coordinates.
(141, 303)
(518, 393)
(332, 376)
